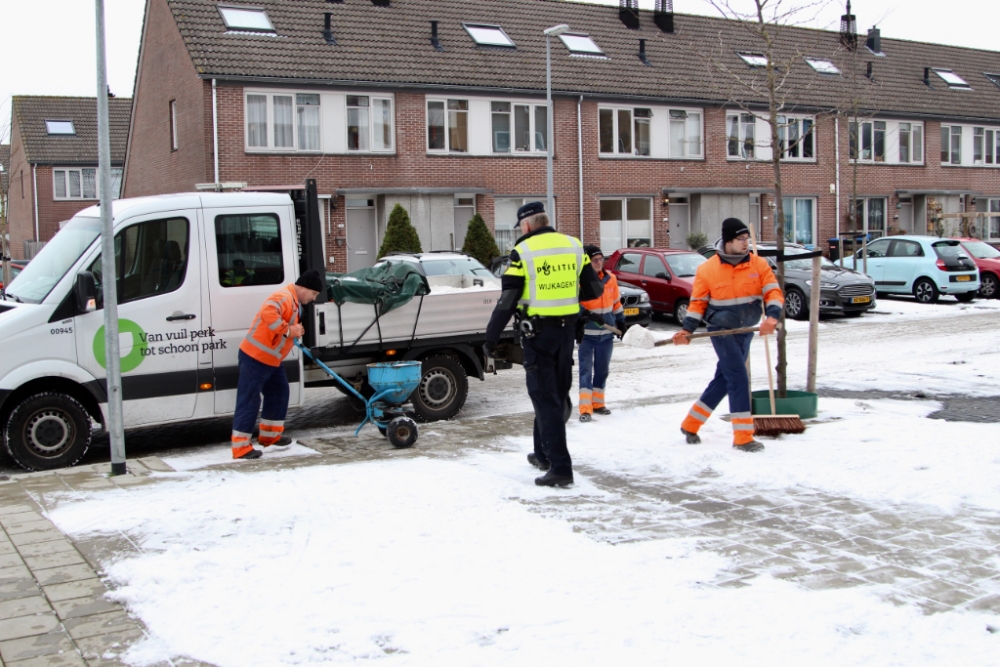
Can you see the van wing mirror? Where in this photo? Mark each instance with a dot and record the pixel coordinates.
(85, 292)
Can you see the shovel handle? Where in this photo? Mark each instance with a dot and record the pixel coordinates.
(710, 334)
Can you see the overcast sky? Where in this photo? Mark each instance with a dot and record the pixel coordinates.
(48, 45)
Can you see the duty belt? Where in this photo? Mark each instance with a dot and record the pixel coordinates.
(528, 326)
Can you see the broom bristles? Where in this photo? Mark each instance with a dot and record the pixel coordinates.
(774, 425)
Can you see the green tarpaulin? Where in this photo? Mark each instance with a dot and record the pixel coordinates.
(387, 286)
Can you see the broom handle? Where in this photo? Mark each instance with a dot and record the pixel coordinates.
(767, 347)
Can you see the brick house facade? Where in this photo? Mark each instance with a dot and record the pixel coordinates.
(652, 167)
(53, 163)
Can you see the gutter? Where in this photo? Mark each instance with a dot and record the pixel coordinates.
(34, 191)
(579, 156)
(215, 132)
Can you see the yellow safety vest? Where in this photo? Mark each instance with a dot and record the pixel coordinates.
(550, 264)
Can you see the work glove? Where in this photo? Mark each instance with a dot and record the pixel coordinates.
(490, 348)
(681, 338)
(768, 326)
(596, 318)
(620, 325)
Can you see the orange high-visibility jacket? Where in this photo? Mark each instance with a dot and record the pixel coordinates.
(268, 341)
(728, 296)
(609, 304)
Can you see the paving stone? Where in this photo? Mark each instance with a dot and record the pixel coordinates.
(18, 588)
(100, 551)
(110, 646)
(989, 604)
(75, 589)
(64, 574)
(57, 559)
(828, 579)
(708, 506)
(27, 626)
(99, 624)
(10, 560)
(919, 541)
(36, 537)
(963, 573)
(7, 547)
(890, 574)
(842, 564)
(943, 591)
(863, 546)
(67, 659)
(16, 509)
(26, 606)
(11, 522)
(56, 641)
(93, 484)
(87, 606)
(156, 464)
(43, 548)
(14, 572)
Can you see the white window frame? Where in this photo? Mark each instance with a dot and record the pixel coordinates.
(754, 60)
(874, 128)
(864, 222)
(685, 141)
(581, 44)
(173, 125)
(505, 42)
(815, 219)
(823, 66)
(992, 206)
(745, 120)
(532, 124)
(447, 127)
(116, 173)
(54, 127)
(916, 157)
(624, 222)
(245, 12)
(957, 82)
(785, 122)
(371, 124)
(635, 119)
(988, 140)
(953, 135)
(269, 133)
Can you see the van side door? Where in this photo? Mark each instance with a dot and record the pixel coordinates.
(250, 255)
(159, 317)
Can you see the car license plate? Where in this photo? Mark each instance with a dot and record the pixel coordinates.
(861, 299)
(963, 279)
(631, 311)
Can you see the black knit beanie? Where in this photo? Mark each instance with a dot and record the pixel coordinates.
(311, 280)
(733, 227)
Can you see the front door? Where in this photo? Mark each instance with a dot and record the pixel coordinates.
(159, 318)
(656, 281)
(906, 217)
(680, 225)
(464, 210)
(361, 243)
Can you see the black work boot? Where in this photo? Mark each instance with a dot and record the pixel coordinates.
(552, 478)
(692, 438)
(752, 446)
(283, 442)
(585, 417)
(534, 460)
(602, 411)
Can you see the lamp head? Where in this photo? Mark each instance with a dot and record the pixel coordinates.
(556, 30)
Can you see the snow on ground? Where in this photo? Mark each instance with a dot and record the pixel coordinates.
(333, 564)
(221, 454)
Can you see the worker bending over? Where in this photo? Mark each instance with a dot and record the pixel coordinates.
(597, 342)
(727, 295)
(265, 346)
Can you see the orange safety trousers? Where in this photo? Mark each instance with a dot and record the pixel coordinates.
(699, 413)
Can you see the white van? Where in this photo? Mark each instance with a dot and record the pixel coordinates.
(193, 269)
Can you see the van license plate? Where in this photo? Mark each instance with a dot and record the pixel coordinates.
(963, 279)
(861, 299)
(631, 311)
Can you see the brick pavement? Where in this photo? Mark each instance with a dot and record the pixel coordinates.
(53, 610)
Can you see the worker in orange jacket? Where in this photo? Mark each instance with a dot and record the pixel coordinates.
(266, 344)
(727, 294)
(596, 342)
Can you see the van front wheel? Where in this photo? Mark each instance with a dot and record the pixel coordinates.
(47, 431)
(442, 390)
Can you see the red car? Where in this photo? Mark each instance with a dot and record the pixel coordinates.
(987, 259)
(16, 266)
(666, 274)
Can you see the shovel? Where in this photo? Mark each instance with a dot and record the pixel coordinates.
(709, 334)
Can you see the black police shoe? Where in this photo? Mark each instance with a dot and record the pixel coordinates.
(554, 479)
(692, 438)
(752, 446)
(541, 465)
(602, 411)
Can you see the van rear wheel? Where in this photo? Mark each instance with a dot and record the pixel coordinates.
(47, 431)
(442, 390)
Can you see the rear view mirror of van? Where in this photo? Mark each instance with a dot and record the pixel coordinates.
(85, 292)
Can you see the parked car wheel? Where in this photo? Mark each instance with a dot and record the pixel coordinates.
(680, 310)
(925, 291)
(795, 304)
(47, 431)
(966, 297)
(988, 286)
(442, 390)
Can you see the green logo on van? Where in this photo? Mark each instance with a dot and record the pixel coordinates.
(131, 360)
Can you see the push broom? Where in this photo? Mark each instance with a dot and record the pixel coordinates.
(773, 424)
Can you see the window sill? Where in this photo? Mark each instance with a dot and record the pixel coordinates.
(609, 156)
(75, 199)
(287, 153)
(494, 156)
(871, 163)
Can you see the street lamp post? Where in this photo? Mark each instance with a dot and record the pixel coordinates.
(554, 31)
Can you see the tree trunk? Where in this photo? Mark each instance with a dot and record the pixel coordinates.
(779, 221)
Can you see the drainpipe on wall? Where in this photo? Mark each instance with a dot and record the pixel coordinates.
(836, 138)
(579, 157)
(34, 190)
(215, 133)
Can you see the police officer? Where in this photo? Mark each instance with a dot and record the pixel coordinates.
(548, 275)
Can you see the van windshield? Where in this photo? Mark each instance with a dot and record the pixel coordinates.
(38, 278)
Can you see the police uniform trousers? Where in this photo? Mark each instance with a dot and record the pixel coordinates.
(548, 365)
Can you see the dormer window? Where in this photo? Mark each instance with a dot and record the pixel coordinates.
(753, 59)
(488, 35)
(995, 78)
(251, 19)
(823, 66)
(953, 80)
(580, 44)
(59, 127)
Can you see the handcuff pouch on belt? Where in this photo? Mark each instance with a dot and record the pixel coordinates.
(527, 325)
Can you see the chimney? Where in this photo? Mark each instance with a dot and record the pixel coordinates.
(435, 42)
(327, 32)
(874, 42)
(628, 12)
(642, 53)
(663, 15)
(927, 76)
(849, 29)
(871, 66)
(380, 3)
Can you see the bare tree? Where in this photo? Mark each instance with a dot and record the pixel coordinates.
(765, 90)
(5, 179)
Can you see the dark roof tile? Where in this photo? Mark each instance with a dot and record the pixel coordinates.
(31, 112)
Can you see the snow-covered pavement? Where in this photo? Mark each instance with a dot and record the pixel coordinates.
(869, 540)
